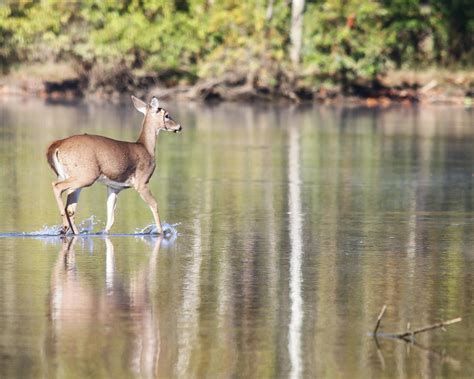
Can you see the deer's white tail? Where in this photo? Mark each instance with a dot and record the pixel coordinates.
(54, 162)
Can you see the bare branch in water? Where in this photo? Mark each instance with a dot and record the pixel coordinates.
(411, 333)
(379, 319)
(408, 334)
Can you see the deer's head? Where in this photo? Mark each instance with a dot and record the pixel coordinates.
(158, 117)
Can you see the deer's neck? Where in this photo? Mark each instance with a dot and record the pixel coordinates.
(148, 137)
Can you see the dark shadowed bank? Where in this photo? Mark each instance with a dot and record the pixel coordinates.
(373, 51)
(404, 87)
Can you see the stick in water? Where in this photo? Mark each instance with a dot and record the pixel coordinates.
(379, 319)
(438, 325)
(410, 333)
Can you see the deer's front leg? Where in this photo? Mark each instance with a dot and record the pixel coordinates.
(112, 194)
(148, 197)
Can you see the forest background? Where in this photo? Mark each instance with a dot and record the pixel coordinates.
(232, 49)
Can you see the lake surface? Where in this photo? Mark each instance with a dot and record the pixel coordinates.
(296, 225)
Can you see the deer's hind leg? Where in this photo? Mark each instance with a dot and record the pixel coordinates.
(73, 186)
(62, 211)
(71, 205)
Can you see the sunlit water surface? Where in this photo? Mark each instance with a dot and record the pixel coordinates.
(294, 226)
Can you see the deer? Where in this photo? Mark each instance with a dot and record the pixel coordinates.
(81, 160)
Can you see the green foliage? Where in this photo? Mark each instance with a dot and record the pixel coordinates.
(408, 26)
(345, 39)
(453, 23)
(342, 40)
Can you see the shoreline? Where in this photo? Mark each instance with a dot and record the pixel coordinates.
(234, 89)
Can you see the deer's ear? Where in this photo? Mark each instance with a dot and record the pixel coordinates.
(154, 103)
(140, 106)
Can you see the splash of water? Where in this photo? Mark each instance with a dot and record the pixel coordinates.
(46, 230)
(169, 230)
(85, 227)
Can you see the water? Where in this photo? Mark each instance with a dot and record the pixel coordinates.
(292, 227)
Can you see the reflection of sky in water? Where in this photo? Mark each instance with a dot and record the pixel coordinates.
(291, 227)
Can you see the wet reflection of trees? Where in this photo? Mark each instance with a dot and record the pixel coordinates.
(381, 190)
(380, 201)
(296, 252)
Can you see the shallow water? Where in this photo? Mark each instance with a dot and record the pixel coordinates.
(295, 226)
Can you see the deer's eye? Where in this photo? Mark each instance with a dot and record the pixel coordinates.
(167, 116)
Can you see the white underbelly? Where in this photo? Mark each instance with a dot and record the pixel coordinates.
(112, 183)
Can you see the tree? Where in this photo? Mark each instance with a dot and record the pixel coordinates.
(296, 32)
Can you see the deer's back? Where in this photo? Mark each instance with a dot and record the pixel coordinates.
(93, 155)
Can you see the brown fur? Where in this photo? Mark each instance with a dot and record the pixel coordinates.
(92, 156)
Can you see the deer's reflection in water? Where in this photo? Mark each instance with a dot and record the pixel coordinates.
(87, 316)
